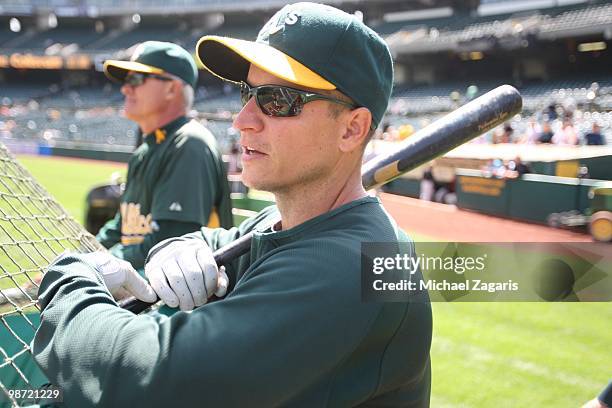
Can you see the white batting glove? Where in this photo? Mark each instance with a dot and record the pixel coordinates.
(119, 276)
(184, 273)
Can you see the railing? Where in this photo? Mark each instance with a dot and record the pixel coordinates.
(102, 7)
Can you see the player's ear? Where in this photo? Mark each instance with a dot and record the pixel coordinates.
(174, 88)
(356, 128)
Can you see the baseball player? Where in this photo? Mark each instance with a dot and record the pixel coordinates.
(293, 329)
(176, 181)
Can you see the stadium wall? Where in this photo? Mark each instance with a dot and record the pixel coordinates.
(532, 198)
(107, 155)
(18, 146)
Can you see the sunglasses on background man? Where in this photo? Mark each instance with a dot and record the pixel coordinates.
(135, 79)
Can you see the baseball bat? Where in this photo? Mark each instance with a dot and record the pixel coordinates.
(440, 137)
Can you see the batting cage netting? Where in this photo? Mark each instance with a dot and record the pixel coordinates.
(34, 229)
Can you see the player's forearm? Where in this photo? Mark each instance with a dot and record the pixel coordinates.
(101, 355)
(73, 300)
(97, 353)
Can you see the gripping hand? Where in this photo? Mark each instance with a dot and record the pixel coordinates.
(184, 273)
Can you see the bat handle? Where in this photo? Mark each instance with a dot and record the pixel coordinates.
(222, 256)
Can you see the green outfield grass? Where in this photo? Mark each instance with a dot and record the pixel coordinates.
(69, 180)
(483, 354)
(520, 354)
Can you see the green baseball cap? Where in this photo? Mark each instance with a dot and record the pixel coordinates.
(155, 57)
(312, 45)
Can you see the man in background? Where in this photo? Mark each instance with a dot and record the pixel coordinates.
(176, 181)
(546, 136)
(516, 168)
(594, 138)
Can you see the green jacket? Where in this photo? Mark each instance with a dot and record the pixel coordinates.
(292, 332)
(176, 184)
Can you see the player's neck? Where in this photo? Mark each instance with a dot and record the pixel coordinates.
(313, 199)
(159, 121)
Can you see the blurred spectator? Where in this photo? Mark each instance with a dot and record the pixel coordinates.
(405, 131)
(495, 168)
(234, 168)
(551, 112)
(503, 134)
(497, 135)
(235, 164)
(390, 133)
(566, 135)
(506, 136)
(594, 137)
(547, 134)
(516, 168)
(531, 133)
(428, 186)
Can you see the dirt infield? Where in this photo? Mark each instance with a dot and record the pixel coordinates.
(450, 223)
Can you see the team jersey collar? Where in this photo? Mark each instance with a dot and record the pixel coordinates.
(272, 232)
(159, 136)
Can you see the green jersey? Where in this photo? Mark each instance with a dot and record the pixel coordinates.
(176, 183)
(293, 331)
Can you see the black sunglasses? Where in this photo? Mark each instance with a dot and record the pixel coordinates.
(282, 101)
(138, 78)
